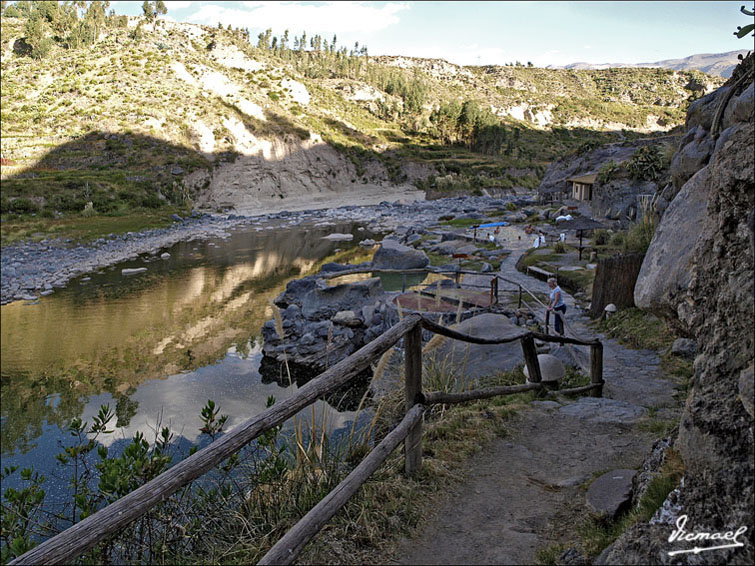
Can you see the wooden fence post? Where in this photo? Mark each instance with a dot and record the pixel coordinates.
(530, 358)
(596, 369)
(412, 389)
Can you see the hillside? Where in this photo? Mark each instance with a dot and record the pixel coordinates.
(714, 64)
(198, 116)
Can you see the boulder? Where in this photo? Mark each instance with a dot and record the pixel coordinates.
(684, 347)
(611, 493)
(740, 108)
(690, 158)
(332, 267)
(551, 368)
(573, 356)
(661, 285)
(701, 111)
(324, 302)
(479, 360)
(346, 318)
(447, 248)
(393, 255)
(336, 237)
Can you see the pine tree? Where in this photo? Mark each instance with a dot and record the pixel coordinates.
(36, 35)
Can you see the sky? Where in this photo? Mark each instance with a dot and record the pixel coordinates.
(491, 33)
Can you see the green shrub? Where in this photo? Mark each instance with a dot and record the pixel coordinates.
(646, 163)
(601, 237)
(607, 171)
(559, 248)
(639, 236)
(68, 202)
(23, 206)
(618, 239)
(511, 206)
(152, 201)
(89, 210)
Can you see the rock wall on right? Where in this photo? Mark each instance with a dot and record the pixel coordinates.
(698, 272)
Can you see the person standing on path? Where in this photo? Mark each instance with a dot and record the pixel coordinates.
(556, 303)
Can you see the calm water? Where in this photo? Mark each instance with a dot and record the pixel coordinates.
(158, 345)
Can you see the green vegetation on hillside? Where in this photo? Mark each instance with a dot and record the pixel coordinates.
(102, 109)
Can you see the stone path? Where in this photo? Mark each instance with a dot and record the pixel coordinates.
(526, 491)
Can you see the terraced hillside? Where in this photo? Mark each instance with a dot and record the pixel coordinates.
(175, 113)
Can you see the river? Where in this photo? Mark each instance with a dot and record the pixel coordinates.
(156, 345)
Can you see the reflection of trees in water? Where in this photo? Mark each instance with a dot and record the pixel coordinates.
(25, 411)
(125, 408)
(345, 398)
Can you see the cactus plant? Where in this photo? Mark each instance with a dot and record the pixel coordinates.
(743, 31)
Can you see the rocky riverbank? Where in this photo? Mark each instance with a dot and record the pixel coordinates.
(31, 269)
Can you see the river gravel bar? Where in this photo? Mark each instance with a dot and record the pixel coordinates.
(32, 269)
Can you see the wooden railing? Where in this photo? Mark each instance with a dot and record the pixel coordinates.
(71, 543)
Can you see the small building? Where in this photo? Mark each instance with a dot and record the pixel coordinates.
(582, 186)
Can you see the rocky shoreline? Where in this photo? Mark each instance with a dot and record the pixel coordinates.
(32, 269)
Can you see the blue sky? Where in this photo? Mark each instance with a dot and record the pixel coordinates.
(482, 33)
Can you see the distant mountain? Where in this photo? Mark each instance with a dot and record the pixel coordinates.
(715, 64)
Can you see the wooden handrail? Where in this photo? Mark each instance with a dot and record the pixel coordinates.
(82, 536)
(563, 339)
(437, 397)
(448, 333)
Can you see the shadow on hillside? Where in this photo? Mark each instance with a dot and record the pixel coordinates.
(112, 171)
(118, 172)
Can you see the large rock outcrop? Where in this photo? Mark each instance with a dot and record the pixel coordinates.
(584, 163)
(321, 324)
(618, 198)
(713, 300)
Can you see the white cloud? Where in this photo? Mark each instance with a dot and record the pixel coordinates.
(337, 17)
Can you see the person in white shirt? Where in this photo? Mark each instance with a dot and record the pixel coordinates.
(556, 303)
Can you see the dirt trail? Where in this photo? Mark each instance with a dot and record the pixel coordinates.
(526, 491)
(523, 488)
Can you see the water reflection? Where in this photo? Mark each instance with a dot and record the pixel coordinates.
(159, 343)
